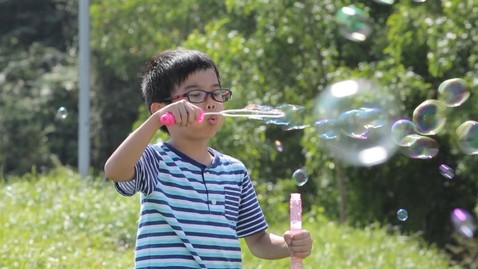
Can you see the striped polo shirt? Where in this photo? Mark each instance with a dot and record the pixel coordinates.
(192, 214)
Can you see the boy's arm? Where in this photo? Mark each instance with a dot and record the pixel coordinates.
(267, 246)
(120, 166)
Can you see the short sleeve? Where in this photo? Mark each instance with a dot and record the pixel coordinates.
(251, 219)
(145, 172)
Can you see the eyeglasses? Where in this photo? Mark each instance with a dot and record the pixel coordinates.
(199, 96)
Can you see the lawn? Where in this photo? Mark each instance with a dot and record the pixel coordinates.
(61, 221)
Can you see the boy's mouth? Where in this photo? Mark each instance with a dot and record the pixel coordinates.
(212, 119)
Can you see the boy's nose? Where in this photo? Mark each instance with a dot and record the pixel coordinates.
(210, 106)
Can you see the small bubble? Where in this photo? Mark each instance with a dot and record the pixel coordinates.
(429, 117)
(401, 129)
(385, 2)
(467, 134)
(278, 145)
(300, 176)
(454, 92)
(419, 147)
(353, 23)
(402, 215)
(463, 222)
(446, 171)
(62, 113)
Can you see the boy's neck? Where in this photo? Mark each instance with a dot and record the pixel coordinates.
(196, 150)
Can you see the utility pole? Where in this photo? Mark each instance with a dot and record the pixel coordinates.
(84, 94)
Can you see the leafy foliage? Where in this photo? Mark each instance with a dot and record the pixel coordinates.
(269, 52)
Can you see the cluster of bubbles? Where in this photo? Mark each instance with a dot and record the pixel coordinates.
(429, 118)
(358, 123)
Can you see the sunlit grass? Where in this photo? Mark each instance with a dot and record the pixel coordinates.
(61, 221)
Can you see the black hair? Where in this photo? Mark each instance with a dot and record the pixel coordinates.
(169, 69)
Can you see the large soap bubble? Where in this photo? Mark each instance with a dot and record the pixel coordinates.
(362, 111)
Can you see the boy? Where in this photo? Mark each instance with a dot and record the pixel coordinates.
(195, 201)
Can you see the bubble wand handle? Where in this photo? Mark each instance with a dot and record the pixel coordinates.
(168, 118)
(295, 225)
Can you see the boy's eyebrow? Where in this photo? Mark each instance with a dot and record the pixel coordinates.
(195, 86)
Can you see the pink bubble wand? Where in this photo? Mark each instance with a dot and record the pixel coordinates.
(295, 225)
(257, 113)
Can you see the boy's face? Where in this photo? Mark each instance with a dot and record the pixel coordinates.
(200, 80)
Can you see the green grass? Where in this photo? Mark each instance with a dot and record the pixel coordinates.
(60, 221)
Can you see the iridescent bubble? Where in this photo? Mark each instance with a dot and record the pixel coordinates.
(294, 118)
(467, 136)
(353, 23)
(446, 171)
(419, 147)
(300, 176)
(401, 129)
(326, 129)
(463, 222)
(278, 145)
(429, 117)
(454, 92)
(62, 113)
(363, 110)
(402, 214)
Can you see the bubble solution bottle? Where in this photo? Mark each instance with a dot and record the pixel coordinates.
(295, 224)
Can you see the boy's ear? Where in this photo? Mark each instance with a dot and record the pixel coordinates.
(156, 106)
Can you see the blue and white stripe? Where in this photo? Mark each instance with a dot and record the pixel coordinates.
(191, 214)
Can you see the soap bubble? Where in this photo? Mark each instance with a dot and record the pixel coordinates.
(354, 23)
(402, 215)
(446, 171)
(385, 2)
(420, 147)
(463, 222)
(454, 92)
(467, 135)
(352, 124)
(278, 145)
(301, 177)
(358, 112)
(294, 117)
(429, 117)
(62, 113)
(401, 129)
(326, 129)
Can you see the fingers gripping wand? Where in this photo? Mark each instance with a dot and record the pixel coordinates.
(168, 118)
(295, 225)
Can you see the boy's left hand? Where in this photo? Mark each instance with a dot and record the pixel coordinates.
(300, 243)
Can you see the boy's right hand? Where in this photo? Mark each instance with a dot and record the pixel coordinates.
(183, 111)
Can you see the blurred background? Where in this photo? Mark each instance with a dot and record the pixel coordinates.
(269, 52)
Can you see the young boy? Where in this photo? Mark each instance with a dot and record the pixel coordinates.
(195, 201)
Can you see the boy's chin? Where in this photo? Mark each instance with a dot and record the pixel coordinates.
(204, 135)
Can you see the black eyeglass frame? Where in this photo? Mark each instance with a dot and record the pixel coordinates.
(186, 95)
